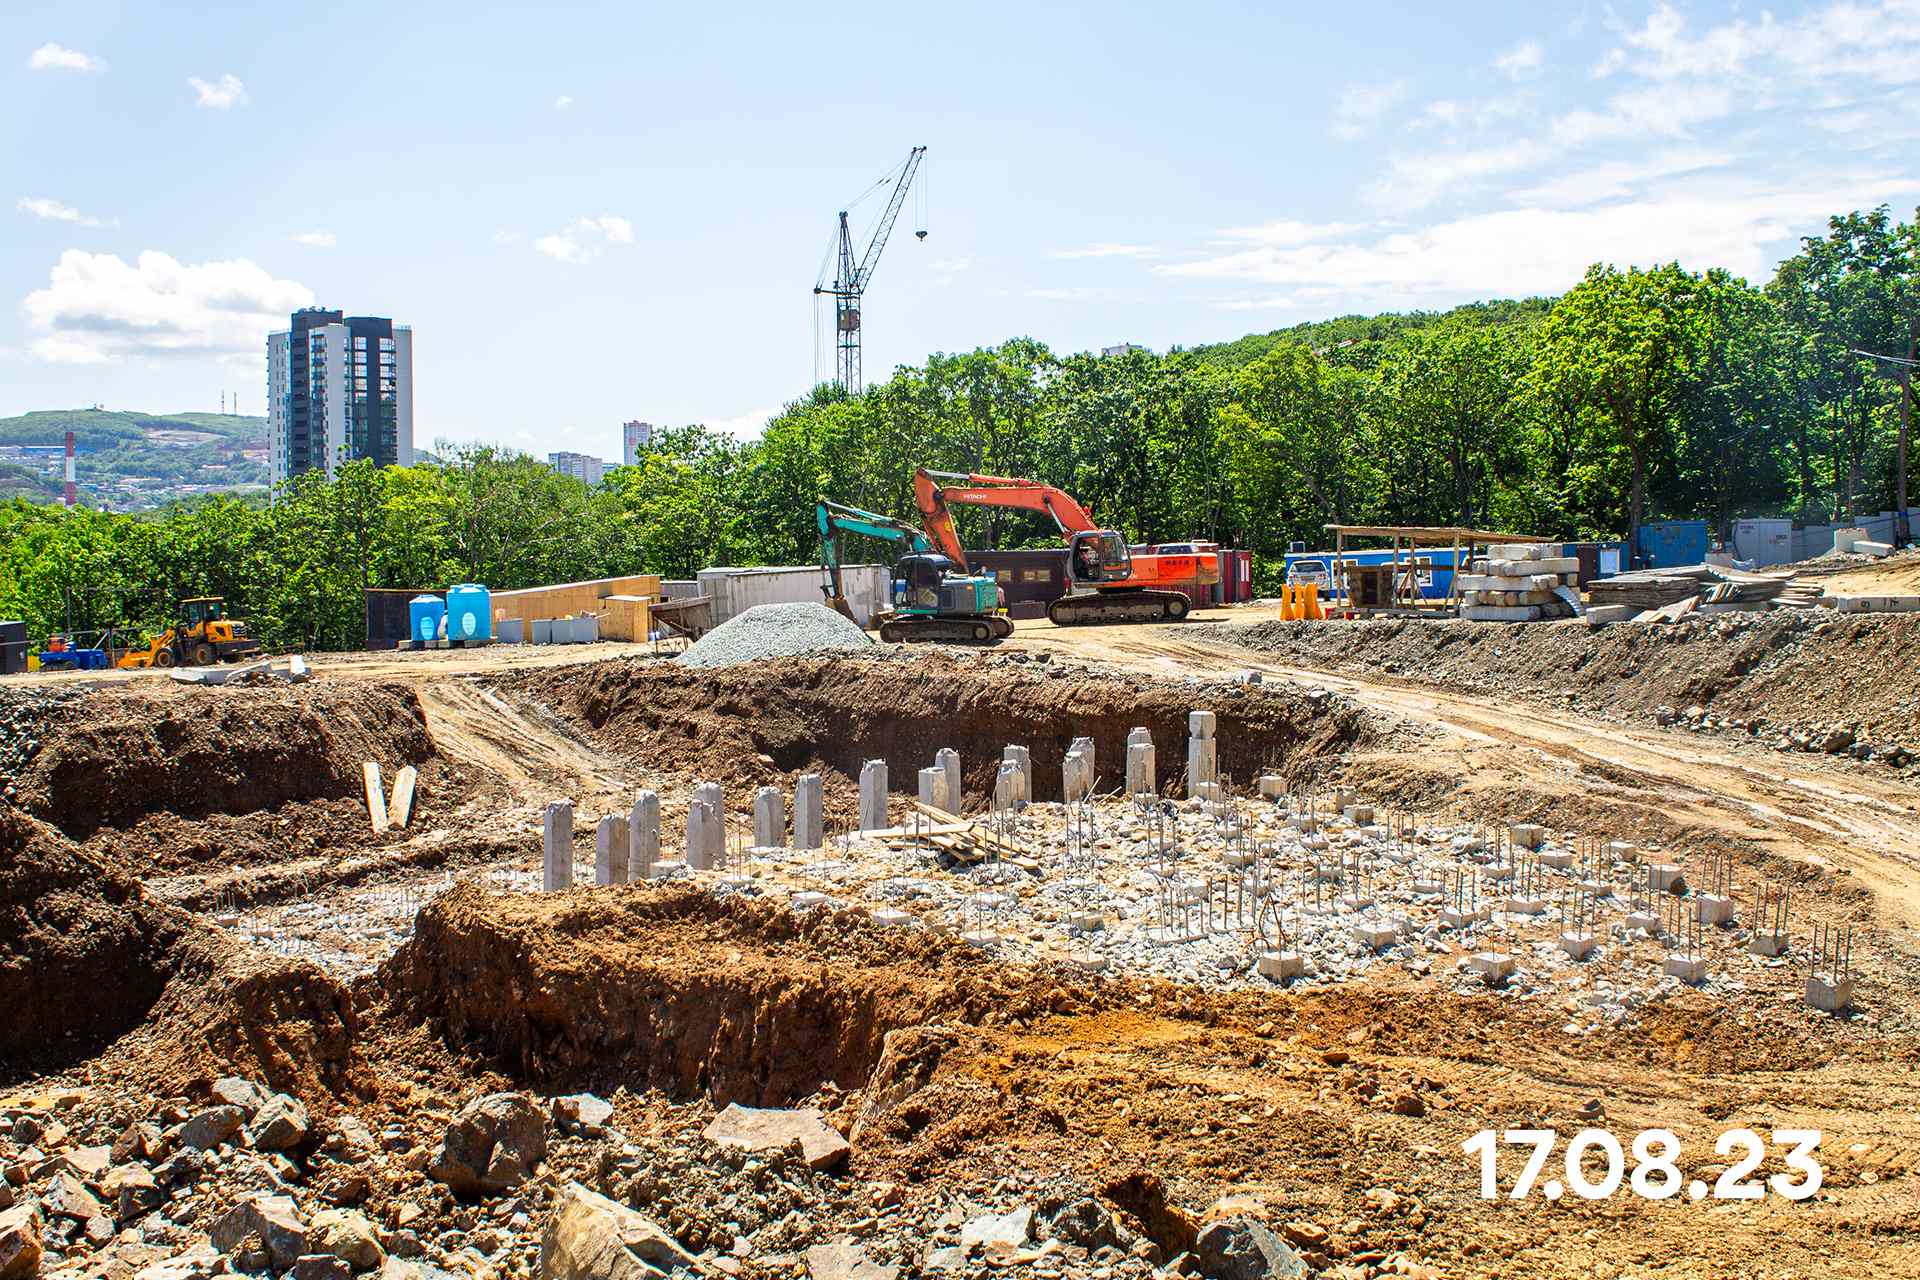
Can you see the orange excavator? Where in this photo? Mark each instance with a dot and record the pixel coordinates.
(1105, 581)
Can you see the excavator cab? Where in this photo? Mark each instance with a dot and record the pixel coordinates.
(1098, 555)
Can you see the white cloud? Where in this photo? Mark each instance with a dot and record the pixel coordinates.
(97, 308)
(223, 96)
(583, 239)
(1663, 112)
(53, 57)
(53, 210)
(1742, 226)
(1285, 231)
(1415, 181)
(1617, 180)
(1072, 293)
(1845, 39)
(315, 239)
(506, 237)
(1105, 249)
(562, 102)
(1362, 107)
(1522, 62)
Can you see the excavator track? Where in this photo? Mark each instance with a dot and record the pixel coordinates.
(1118, 606)
(910, 630)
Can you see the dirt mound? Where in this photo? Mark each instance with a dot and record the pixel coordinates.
(749, 726)
(1793, 668)
(87, 958)
(125, 753)
(675, 989)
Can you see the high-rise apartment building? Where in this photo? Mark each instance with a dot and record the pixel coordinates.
(583, 467)
(634, 436)
(338, 388)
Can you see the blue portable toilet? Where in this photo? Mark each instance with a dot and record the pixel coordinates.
(469, 612)
(425, 616)
(1665, 544)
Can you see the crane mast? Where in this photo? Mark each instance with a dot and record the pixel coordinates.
(852, 274)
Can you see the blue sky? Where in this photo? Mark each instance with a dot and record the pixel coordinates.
(593, 213)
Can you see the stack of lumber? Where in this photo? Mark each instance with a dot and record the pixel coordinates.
(1523, 582)
(1667, 595)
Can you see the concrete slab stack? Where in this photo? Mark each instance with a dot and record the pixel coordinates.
(556, 840)
(769, 818)
(1142, 777)
(809, 816)
(706, 828)
(643, 836)
(1521, 583)
(610, 850)
(873, 795)
(1203, 765)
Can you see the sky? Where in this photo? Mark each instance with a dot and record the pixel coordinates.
(590, 213)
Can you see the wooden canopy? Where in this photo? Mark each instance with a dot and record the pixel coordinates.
(1442, 534)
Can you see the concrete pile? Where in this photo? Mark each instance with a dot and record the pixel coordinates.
(1523, 582)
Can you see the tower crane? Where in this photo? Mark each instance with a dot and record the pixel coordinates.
(851, 277)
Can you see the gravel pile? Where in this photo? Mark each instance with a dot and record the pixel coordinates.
(774, 631)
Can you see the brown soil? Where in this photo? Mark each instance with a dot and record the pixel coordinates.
(749, 726)
(123, 754)
(1788, 668)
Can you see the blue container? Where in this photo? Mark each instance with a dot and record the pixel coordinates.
(469, 612)
(426, 615)
(1434, 567)
(1665, 544)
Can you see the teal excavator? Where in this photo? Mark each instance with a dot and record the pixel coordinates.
(933, 599)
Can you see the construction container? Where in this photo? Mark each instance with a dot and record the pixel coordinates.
(868, 587)
(469, 612)
(510, 631)
(1027, 577)
(626, 617)
(570, 599)
(426, 617)
(1767, 541)
(1433, 567)
(1665, 544)
(13, 648)
(389, 615)
(542, 629)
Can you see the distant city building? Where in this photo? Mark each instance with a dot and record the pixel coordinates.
(1122, 349)
(634, 436)
(583, 467)
(339, 388)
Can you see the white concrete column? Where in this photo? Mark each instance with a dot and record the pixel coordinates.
(1141, 775)
(643, 836)
(809, 818)
(556, 838)
(1085, 747)
(1076, 777)
(1022, 760)
(1202, 766)
(1200, 724)
(873, 795)
(1006, 785)
(932, 786)
(769, 818)
(706, 827)
(611, 843)
(948, 760)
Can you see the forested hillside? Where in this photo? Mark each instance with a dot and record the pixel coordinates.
(170, 449)
(1639, 393)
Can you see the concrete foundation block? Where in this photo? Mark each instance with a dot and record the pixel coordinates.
(932, 786)
(1667, 877)
(556, 845)
(1142, 777)
(1084, 746)
(947, 760)
(809, 816)
(1306, 824)
(1578, 946)
(1714, 908)
(1689, 969)
(706, 827)
(1494, 967)
(891, 918)
(1526, 835)
(1647, 920)
(1428, 888)
(1376, 936)
(643, 836)
(1076, 777)
(1086, 922)
(1360, 815)
(873, 795)
(1498, 875)
(611, 842)
(1829, 995)
(1272, 786)
(809, 900)
(1089, 961)
(1523, 906)
(1200, 724)
(1355, 902)
(1021, 759)
(769, 818)
(1767, 944)
(1280, 966)
(1557, 859)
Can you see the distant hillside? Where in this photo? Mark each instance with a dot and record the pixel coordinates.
(1361, 337)
(129, 460)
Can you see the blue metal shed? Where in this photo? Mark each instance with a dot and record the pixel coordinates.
(1667, 543)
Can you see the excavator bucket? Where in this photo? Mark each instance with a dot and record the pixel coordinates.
(840, 606)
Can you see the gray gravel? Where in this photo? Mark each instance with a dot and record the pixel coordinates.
(774, 631)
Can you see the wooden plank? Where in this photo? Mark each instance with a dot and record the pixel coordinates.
(376, 796)
(401, 810)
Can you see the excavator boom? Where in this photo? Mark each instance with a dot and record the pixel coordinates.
(932, 602)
